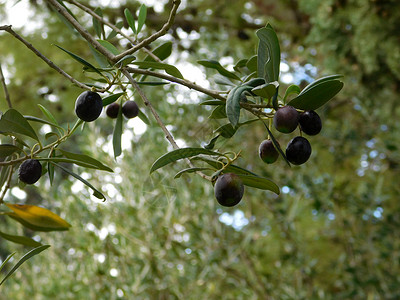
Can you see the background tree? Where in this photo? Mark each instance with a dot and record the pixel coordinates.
(332, 233)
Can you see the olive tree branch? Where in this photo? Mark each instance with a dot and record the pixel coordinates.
(112, 26)
(3, 82)
(187, 83)
(154, 36)
(44, 58)
(168, 134)
(83, 32)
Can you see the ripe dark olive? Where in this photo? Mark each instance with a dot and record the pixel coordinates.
(130, 109)
(88, 106)
(112, 110)
(30, 171)
(286, 119)
(267, 152)
(228, 189)
(310, 122)
(298, 150)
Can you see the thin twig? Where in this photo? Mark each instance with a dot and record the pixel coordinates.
(3, 82)
(7, 184)
(41, 149)
(112, 26)
(83, 32)
(184, 82)
(154, 36)
(168, 135)
(146, 101)
(44, 58)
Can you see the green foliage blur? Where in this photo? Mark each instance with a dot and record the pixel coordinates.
(333, 233)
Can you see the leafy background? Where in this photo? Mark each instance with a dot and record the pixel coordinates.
(332, 233)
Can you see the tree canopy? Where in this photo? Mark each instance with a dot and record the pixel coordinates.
(331, 233)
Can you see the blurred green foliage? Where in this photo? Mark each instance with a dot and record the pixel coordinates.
(334, 231)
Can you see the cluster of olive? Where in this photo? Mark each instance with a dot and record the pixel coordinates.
(286, 120)
(229, 188)
(88, 107)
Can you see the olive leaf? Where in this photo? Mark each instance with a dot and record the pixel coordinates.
(179, 154)
(213, 64)
(38, 216)
(317, 95)
(31, 253)
(12, 122)
(268, 54)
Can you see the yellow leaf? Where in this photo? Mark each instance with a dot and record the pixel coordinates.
(39, 216)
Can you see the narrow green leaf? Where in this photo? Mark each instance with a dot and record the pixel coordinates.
(80, 60)
(233, 106)
(211, 143)
(240, 64)
(213, 64)
(48, 114)
(320, 80)
(23, 240)
(189, 170)
(144, 118)
(292, 89)
(231, 168)
(76, 125)
(233, 103)
(96, 192)
(219, 79)
(97, 25)
(259, 183)
(141, 17)
(268, 55)
(100, 58)
(117, 135)
(226, 131)
(39, 120)
(6, 260)
(317, 95)
(179, 154)
(130, 19)
(266, 90)
(113, 33)
(212, 102)
(111, 98)
(85, 159)
(110, 47)
(8, 149)
(85, 164)
(31, 253)
(252, 64)
(50, 168)
(12, 122)
(162, 52)
(218, 113)
(255, 82)
(171, 70)
(126, 60)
